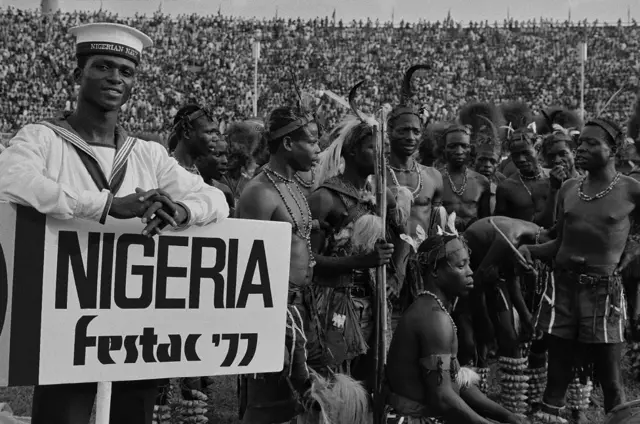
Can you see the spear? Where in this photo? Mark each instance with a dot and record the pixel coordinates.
(381, 272)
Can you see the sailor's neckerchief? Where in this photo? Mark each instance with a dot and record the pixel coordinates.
(123, 144)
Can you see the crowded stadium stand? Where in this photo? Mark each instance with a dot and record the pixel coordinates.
(208, 60)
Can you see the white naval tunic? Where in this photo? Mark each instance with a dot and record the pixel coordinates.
(42, 168)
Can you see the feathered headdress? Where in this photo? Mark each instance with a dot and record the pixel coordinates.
(404, 108)
(484, 120)
(517, 115)
(303, 105)
(559, 119)
(434, 248)
(348, 133)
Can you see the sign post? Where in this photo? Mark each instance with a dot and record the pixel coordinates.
(256, 57)
(582, 51)
(82, 302)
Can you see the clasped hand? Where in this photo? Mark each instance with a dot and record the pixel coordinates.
(156, 208)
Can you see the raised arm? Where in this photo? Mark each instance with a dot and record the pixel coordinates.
(24, 180)
(204, 204)
(435, 340)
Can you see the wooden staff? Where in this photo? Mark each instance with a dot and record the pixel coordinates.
(381, 275)
(512, 247)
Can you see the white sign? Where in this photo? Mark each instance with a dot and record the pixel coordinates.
(83, 302)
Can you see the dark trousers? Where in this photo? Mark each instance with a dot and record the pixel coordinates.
(606, 359)
(131, 403)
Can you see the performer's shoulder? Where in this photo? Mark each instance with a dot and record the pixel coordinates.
(429, 171)
(478, 177)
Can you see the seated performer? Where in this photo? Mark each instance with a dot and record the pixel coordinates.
(82, 165)
(424, 381)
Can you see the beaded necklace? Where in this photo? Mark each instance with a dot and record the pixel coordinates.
(439, 302)
(303, 183)
(392, 171)
(301, 229)
(600, 195)
(458, 191)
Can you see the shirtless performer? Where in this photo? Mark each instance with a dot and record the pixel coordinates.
(484, 120)
(584, 307)
(557, 152)
(348, 252)
(404, 129)
(273, 195)
(517, 116)
(524, 195)
(424, 381)
(465, 192)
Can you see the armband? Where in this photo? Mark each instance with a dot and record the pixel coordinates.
(437, 362)
(441, 363)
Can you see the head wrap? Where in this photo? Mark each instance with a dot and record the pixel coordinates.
(434, 248)
(304, 117)
(184, 119)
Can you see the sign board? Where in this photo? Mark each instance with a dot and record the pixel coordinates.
(84, 302)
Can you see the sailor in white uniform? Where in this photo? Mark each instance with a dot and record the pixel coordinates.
(83, 165)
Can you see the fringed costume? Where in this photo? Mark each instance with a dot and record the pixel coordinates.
(345, 301)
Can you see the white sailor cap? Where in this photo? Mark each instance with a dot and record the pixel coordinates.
(110, 39)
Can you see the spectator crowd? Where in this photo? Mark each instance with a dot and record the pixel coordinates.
(209, 60)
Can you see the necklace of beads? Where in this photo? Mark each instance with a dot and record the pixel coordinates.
(392, 171)
(600, 195)
(524, 185)
(302, 230)
(458, 191)
(304, 183)
(439, 302)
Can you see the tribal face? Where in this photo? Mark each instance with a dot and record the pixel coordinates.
(219, 151)
(304, 150)
(524, 157)
(457, 148)
(559, 153)
(404, 135)
(364, 156)
(594, 149)
(456, 278)
(486, 163)
(203, 136)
